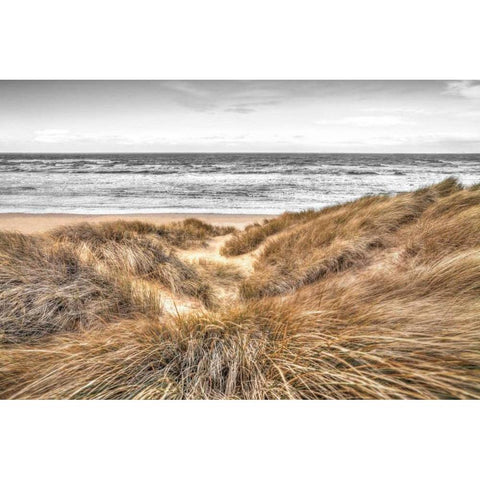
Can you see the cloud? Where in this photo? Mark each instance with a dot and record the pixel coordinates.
(471, 114)
(433, 140)
(59, 135)
(464, 88)
(368, 121)
(53, 135)
(246, 96)
(62, 136)
(249, 107)
(240, 109)
(237, 96)
(396, 110)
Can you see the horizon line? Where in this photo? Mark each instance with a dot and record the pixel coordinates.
(231, 152)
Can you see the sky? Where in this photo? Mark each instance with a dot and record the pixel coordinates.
(240, 116)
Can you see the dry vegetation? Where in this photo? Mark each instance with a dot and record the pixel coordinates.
(255, 234)
(185, 234)
(377, 298)
(142, 251)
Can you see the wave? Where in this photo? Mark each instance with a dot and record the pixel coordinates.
(361, 172)
(252, 183)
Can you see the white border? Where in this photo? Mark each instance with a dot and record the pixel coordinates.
(244, 440)
(368, 39)
(248, 39)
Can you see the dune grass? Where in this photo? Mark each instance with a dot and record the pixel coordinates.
(184, 234)
(375, 299)
(144, 250)
(83, 276)
(46, 289)
(253, 235)
(340, 238)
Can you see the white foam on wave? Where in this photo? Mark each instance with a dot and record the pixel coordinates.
(191, 183)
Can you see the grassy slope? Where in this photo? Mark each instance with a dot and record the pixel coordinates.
(378, 298)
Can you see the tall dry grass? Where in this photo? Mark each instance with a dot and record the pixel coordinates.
(341, 238)
(375, 299)
(45, 289)
(144, 251)
(83, 276)
(253, 235)
(184, 234)
(373, 339)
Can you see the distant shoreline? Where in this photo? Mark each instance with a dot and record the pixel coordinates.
(41, 222)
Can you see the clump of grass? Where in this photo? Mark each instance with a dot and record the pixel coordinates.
(45, 289)
(182, 234)
(193, 357)
(253, 235)
(194, 229)
(239, 353)
(450, 225)
(142, 250)
(146, 258)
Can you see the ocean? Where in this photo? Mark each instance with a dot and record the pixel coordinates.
(214, 183)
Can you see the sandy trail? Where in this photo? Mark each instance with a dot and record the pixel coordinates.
(225, 290)
(211, 252)
(238, 268)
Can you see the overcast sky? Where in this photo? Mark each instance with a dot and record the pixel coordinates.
(239, 116)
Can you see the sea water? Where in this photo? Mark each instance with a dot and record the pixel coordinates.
(214, 183)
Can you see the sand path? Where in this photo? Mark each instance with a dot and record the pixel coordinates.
(226, 286)
(225, 291)
(211, 252)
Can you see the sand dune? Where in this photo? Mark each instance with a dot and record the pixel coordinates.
(373, 299)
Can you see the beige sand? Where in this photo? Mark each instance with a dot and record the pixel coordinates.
(34, 223)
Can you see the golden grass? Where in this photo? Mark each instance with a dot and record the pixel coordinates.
(83, 276)
(144, 250)
(375, 299)
(341, 238)
(45, 289)
(184, 234)
(255, 234)
(218, 273)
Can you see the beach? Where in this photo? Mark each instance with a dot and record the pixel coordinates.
(372, 299)
(37, 223)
